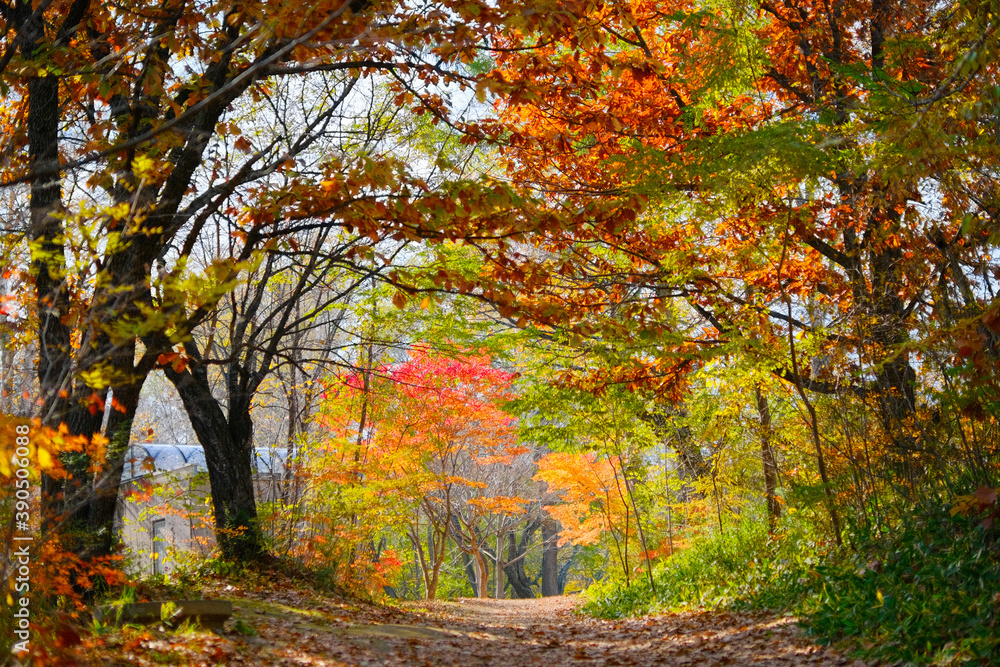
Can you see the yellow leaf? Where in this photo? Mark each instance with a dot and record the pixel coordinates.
(45, 461)
(425, 304)
(143, 166)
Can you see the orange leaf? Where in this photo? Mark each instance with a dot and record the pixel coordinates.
(95, 404)
(165, 359)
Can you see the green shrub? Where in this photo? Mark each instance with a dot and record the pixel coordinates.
(925, 593)
(744, 567)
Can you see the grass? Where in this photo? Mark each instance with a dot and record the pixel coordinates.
(926, 593)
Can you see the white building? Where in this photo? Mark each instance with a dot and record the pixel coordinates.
(164, 502)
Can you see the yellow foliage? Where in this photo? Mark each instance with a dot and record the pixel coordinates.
(42, 446)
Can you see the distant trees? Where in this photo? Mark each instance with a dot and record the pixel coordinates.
(429, 447)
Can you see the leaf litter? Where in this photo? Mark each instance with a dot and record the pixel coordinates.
(285, 624)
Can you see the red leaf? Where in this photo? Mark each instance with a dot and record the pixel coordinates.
(67, 637)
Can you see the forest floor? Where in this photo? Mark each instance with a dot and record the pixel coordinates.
(277, 625)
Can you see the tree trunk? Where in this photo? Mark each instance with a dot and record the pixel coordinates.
(517, 550)
(817, 443)
(430, 563)
(498, 569)
(883, 325)
(482, 574)
(768, 459)
(565, 567)
(48, 264)
(228, 449)
(101, 517)
(550, 558)
(470, 573)
(422, 563)
(638, 524)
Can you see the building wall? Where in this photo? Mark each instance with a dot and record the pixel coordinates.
(181, 500)
(178, 498)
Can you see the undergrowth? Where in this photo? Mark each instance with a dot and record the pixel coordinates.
(925, 593)
(741, 568)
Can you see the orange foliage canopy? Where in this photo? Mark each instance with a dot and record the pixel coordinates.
(591, 500)
(738, 158)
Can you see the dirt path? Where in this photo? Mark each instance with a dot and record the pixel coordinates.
(547, 632)
(297, 627)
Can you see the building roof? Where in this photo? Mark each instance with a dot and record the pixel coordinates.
(152, 458)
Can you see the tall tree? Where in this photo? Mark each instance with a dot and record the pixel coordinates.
(769, 166)
(125, 119)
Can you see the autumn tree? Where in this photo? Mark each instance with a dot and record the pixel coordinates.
(128, 123)
(816, 195)
(429, 442)
(597, 471)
